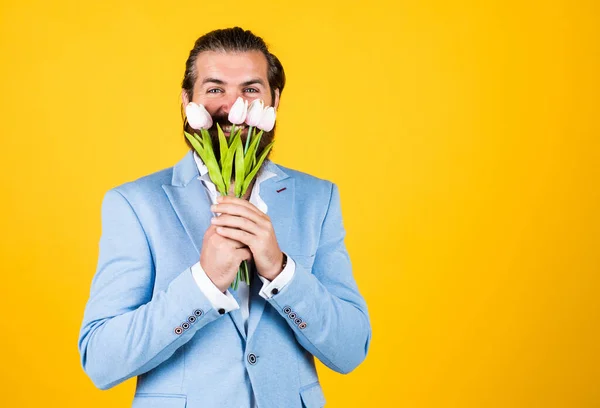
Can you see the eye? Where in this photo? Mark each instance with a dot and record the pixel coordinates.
(251, 90)
(214, 90)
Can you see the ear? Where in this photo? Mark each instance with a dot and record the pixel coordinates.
(184, 98)
(276, 103)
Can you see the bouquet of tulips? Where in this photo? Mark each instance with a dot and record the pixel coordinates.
(233, 154)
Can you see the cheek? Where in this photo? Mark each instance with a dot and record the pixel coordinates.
(211, 106)
(266, 97)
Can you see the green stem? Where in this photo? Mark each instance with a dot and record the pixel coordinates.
(248, 140)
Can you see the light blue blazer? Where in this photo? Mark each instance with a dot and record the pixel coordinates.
(147, 317)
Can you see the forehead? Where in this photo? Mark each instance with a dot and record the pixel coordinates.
(231, 67)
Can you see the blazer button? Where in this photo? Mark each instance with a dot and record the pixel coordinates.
(275, 291)
(185, 325)
(221, 311)
(302, 325)
(292, 315)
(287, 310)
(178, 330)
(192, 319)
(297, 321)
(252, 358)
(198, 312)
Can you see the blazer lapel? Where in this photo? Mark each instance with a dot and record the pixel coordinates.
(191, 203)
(236, 315)
(278, 193)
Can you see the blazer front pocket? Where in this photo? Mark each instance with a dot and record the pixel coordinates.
(312, 396)
(156, 400)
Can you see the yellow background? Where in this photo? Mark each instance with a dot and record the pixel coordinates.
(462, 134)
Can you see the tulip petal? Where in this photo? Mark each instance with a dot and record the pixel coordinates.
(255, 112)
(197, 116)
(238, 111)
(267, 121)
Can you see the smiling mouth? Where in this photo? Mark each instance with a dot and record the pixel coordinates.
(227, 129)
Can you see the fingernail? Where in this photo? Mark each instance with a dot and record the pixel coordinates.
(213, 207)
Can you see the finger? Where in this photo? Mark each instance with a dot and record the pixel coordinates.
(233, 221)
(239, 201)
(240, 211)
(245, 254)
(237, 235)
(226, 242)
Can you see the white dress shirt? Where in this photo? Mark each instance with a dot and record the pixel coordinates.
(218, 299)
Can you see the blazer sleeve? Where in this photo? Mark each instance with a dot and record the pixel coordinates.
(322, 303)
(127, 330)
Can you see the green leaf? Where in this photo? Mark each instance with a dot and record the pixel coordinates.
(228, 162)
(251, 153)
(197, 145)
(222, 144)
(199, 138)
(211, 163)
(256, 168)
(239, 167)
(247, 269)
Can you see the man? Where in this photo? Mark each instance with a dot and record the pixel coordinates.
(160, 308)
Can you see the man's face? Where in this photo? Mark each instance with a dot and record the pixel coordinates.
(222, 77)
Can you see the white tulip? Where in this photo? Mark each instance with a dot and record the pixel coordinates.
(255, 112)
(197, 116)
(237, 113)
(267, 121)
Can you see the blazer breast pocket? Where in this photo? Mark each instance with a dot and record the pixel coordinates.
(151, 400)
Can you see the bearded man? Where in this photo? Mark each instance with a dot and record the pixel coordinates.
(161, 307)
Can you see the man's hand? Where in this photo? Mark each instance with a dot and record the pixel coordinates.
(242, 222)
(221, 257)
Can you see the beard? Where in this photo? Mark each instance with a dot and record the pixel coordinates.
(266, 138)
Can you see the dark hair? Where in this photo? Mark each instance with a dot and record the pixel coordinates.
(234, 39)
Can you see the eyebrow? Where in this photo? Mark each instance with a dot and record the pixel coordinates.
(214, 80)
(254, 81)
(247, 83)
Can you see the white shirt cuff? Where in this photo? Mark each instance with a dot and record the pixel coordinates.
(279, 282)
(218, 299)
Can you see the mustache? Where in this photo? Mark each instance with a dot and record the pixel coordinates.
(222, 120)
